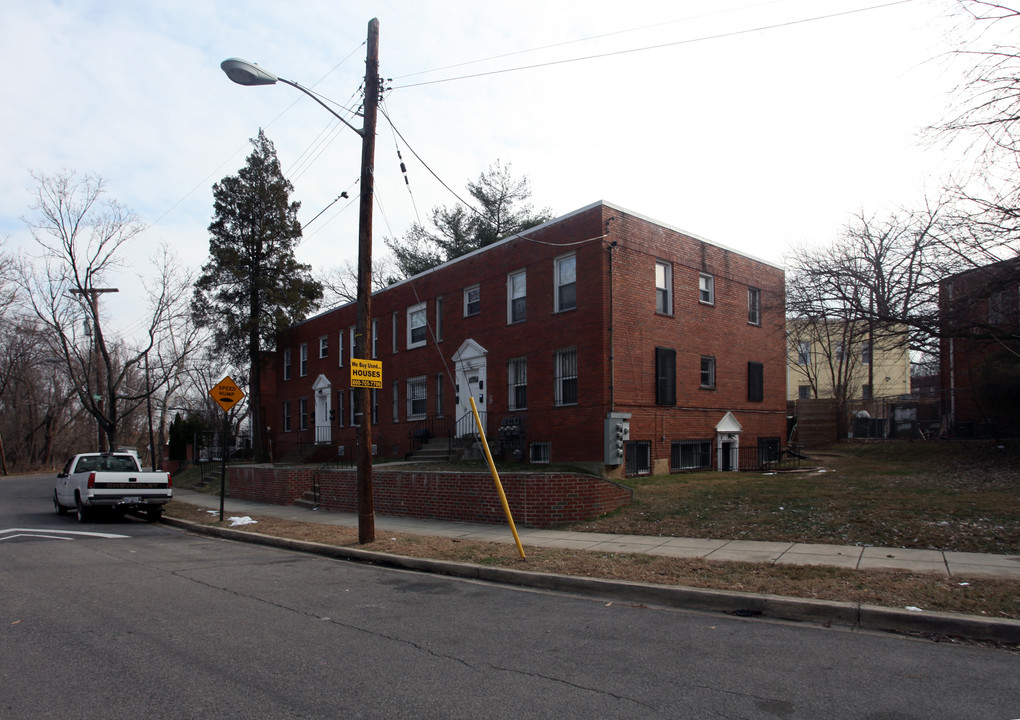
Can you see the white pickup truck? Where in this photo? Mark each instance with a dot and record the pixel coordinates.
(110, 480)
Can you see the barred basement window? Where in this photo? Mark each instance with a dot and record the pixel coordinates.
(417, 398)
(565, 386)
(690, 455)
(517, 382)
(539, 452)
(638, 457)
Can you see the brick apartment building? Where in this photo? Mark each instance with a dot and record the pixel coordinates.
(597, 321)
(980, 327)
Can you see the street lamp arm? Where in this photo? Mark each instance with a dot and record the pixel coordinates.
(245, 73)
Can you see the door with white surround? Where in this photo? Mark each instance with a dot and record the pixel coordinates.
(323, 401)
(469, 382)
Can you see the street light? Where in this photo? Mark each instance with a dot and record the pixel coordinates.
(245, 73)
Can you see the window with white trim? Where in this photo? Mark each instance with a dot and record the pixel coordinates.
(324, 346)
(340, 348)
(286, 364)
(565, 277)
(516, 297)
(302, 413)
(416, 326)
(396, 400)
(286, 415)
(753, 306)
(472, 300)
(804, 352)
(417, 398)
(439, 319)
(340, 408)
(439, 394)
(706, 289)
(374, 394)
(663, 287)
(565, 385)
(303, 361)
(354, 336)
(355, 406)
(707, 371)
(517, 383)
(375, 338)
(396, 332)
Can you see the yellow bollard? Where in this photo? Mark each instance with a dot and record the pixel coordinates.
(495, 476)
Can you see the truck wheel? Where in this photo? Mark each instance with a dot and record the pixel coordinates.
(81, 512)
(61, 510)
(153, 514)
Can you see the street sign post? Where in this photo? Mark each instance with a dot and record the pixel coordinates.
(226, 394)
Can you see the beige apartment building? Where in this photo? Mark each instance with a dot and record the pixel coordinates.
(823, 356)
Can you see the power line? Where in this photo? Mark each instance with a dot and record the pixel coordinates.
(689, 41)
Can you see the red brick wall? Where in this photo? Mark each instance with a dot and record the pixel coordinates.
(535, 500)
(575, 433)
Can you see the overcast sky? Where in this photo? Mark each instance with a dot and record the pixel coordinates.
(756, 125)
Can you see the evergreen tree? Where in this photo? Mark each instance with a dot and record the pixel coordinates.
(253, 287)
(503, 209)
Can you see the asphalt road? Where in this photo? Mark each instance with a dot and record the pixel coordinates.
(160, 623)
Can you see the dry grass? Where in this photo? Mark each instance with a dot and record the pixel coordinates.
(913, 495)
(994, 598)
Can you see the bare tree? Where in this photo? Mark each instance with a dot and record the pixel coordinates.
(340, 282)
(80, 234)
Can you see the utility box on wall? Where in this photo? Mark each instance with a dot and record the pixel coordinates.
(617, 433)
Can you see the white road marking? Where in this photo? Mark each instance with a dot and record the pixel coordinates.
(6, 534)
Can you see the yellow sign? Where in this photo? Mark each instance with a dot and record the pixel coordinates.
(226, 393)
(366, 373)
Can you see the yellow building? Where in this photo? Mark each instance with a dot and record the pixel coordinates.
(823, 356)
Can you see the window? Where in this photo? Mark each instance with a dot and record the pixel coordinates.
(416, 331)
(706, 289)
(998, 307)
(707, 372)
(374, 393)
(665, 376)
(769, 450)
(472, 300)
(303, 366)
(755, 381)
(516, 297)
(302, 413)
(663, 287)
(639, 457)
(396, 401)
(840, 352)
(804, 352)
(396, 325)
(417, 398)
(439, 319)
(354, 336)
(375, 339)
(866, 392)
(539, 452)
(866, 352)
(690, 455)
(566, 283)
(803, 392)
(324, 346)
(565, 390)
(517, 383)
(286, 364)
(286, 415)
(439, 394)
(340, 408)
(355, 407)
(340, 347)
(753, 306)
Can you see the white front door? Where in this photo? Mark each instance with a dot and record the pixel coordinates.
(469, 378)
(323, 403)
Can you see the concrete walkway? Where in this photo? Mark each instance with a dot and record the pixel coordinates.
(948, 564)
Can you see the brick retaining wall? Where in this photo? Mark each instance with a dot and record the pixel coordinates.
(536, 500)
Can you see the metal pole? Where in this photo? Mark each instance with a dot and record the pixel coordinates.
(366, 509)
(223, 465)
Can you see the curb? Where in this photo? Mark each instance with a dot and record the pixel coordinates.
(820, 612)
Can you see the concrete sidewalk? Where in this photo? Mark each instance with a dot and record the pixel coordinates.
(948, 564)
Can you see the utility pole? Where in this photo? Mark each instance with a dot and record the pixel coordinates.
(93, 293)
(366, 505)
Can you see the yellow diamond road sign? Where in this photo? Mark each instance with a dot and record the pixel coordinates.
(226, 393)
